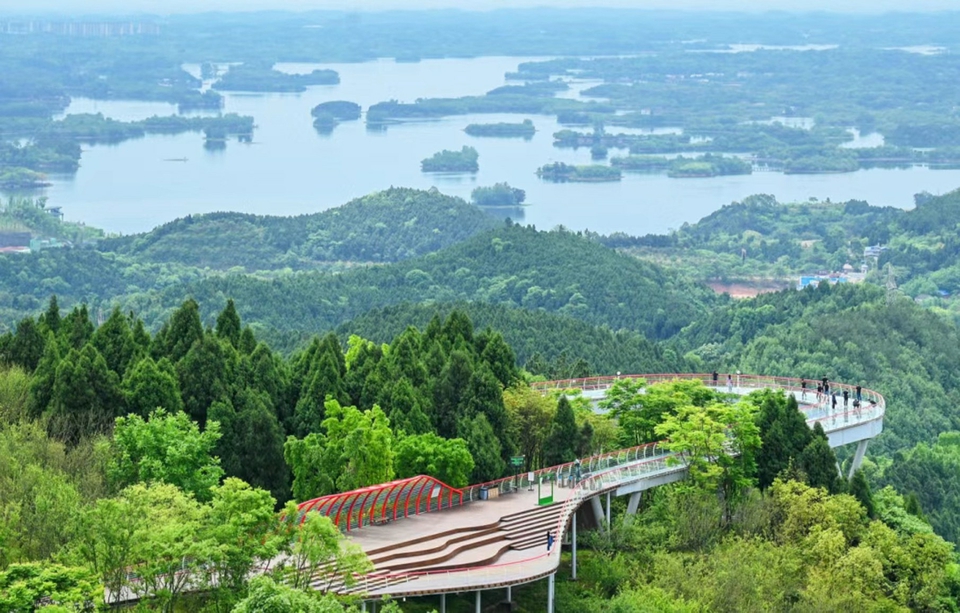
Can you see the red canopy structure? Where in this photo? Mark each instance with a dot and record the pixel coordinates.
(385, 502)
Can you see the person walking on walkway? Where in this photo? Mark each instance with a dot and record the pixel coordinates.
(846, 398)
(803, 389)
(826, 386)
(716, 376)
(834, 404)
(549, 541)
(729, 384)
(859, 390)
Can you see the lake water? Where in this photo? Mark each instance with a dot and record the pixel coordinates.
(291, 169)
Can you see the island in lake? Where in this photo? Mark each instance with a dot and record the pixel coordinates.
(498, 195)
(328, 115)
(465, 160)
(254, 78)
(524, 129)
(559, 172)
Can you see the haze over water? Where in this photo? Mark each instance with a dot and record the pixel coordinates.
(290, 169)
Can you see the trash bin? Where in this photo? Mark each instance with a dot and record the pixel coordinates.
(484, 493)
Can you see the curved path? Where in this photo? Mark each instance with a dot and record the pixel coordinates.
(495, 535)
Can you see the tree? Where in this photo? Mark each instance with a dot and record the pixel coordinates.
(564, 438)
(251, 445)
(44, 378)
(305, 457)
(268, 596)
(149, 386)
(860, 489)
(51, 317)
(484, 446)
(784, 432)
(183, 330)
(448, 460)
(114, 340)
(228, 324)
(169, 551)
(529, 414)
(316, 543)
(76, 328)
(405, 412)
(499, 356)
(717, 443)
(27, 346)
(242, 526)
(105, 542)
(23, 586)
(485, 396)
(206, 374)
(450, 391)
(167, 448)
(86, 396)
(819, 463)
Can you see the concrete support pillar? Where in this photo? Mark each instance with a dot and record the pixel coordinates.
(478, 601)
(858, 457)
(632, 505)
(608, 509)
(509, 594)
(573, 549)
(363, 606)
(443, 603)
(839, 471)
(597, 510)
(550, 588)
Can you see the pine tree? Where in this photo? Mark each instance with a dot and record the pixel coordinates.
(228, 324)
(76, 328)
(86, 396)
(44, 378)
(500, 358)
(114, 340)
(51, 318)
(149, 386)
(860, 489)
(820, 463)
(27, 345)
(484, 447)
(183, 331)
(450, 393)
(206, 374)
(561, 444)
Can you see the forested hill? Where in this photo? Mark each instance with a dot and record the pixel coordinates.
(548, 344)
(385, 226)
(555, 271)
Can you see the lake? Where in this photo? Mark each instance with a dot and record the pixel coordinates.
(290, 169)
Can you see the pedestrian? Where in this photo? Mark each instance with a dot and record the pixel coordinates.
(846, 398)
(716, 376)
(834, 397)
(819, 393)
(729, 384)
(859, 397)
(549, 541)
(803, 389)
(826, 386)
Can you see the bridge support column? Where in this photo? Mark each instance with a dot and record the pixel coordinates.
(597, 510)
(858, 457)
(573, 548)
(608, 510)
(509, 594)
(478, 602)
(443, 603)
(632, 505)
(550, 588)
(363, 606)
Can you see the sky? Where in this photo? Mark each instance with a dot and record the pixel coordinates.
(163, 7)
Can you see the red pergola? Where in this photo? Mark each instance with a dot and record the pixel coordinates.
(385, 502)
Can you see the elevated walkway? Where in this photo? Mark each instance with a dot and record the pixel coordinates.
(495, 534)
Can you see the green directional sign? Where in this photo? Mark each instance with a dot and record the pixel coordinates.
(516, 460)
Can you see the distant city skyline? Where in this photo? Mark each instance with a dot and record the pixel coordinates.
(163, 7)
